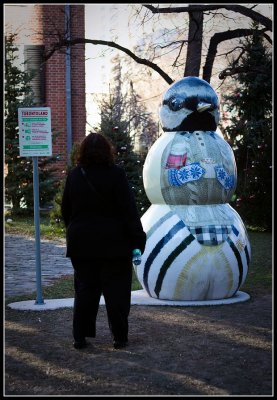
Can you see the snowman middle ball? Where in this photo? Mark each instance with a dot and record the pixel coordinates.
(189, 168)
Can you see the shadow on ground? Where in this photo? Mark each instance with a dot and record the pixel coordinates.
(212, 350)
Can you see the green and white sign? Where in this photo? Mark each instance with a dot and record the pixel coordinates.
(35, 136)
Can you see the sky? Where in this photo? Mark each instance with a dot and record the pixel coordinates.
(102, 21)
(111, 22)
(97, 26)
(108, 21)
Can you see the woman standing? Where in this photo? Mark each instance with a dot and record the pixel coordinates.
(102, 230)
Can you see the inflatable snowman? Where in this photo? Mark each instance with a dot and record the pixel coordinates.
(197, 246)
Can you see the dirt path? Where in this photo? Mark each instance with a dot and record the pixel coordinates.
(212, 350)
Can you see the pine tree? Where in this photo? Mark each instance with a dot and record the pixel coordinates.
(19, 179)
(144, 129)
(116, 130)
(250, 132)
(118, 118)
(56, 211)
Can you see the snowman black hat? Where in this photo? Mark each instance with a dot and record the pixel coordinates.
(190, 104)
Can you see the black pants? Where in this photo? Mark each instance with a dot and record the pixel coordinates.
(113, 279)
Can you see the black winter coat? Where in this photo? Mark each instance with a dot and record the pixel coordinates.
(108, 228)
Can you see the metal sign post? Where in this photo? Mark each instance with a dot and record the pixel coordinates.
(35, 139)
(39, 299)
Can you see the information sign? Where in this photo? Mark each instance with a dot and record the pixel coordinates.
(35, 136)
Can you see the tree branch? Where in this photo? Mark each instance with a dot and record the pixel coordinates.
(254, 15)
(67, 43)
(218, 38)
(238, 70)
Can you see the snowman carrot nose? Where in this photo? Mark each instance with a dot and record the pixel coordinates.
(202, 106)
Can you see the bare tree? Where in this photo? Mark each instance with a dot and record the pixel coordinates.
(196, 15)
(195, 36)
(218, 38)
(195, 39)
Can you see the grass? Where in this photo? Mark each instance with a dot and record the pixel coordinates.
(63, 287)
(258, 280)
(25, 226)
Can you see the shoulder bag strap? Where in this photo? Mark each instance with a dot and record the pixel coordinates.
(91, 186)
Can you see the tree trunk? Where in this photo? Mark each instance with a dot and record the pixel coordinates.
(194, 49)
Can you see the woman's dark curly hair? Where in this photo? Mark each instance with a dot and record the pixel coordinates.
(95, 149)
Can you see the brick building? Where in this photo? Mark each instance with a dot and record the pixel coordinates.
(60, 83)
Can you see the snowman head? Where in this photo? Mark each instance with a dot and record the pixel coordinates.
(189, 104)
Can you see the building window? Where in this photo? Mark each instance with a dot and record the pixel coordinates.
(33, 57)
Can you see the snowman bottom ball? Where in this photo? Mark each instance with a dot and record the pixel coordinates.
(189, 257)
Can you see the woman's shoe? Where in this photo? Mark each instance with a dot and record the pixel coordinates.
(80, 344)
(120, 344)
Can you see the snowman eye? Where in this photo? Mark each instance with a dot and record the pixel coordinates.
(175, 103)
